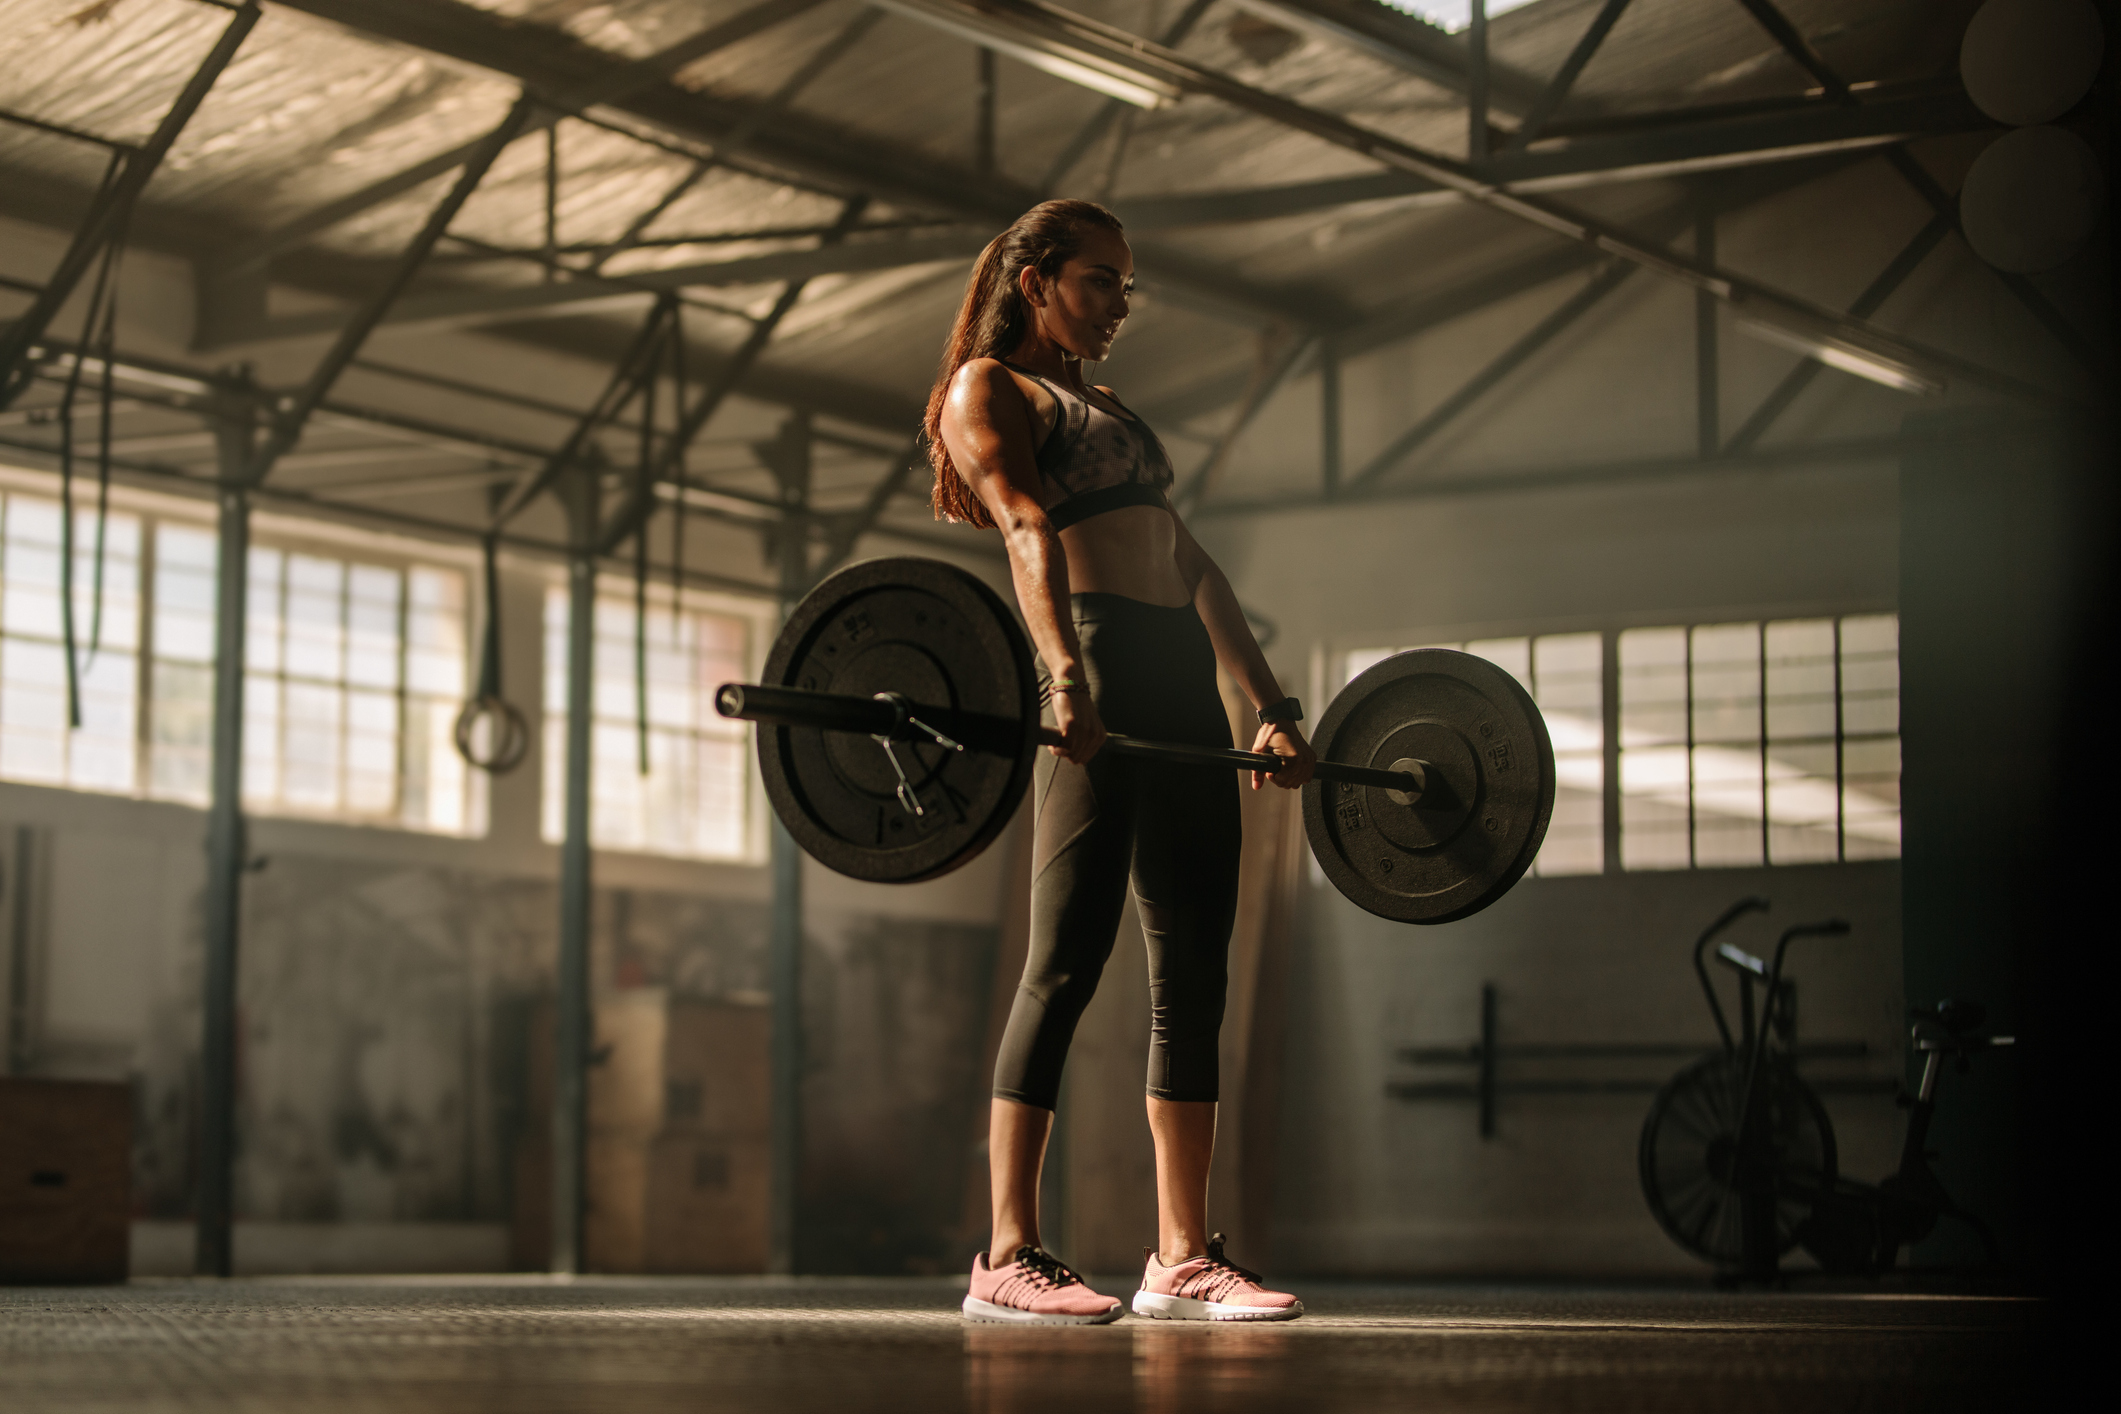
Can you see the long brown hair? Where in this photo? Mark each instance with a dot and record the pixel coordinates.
(992, 322)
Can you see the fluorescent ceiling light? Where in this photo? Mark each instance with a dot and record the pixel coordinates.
(1049, 55)
(1836, 350)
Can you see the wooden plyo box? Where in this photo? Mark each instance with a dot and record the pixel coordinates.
(65, 1181)
(678, 1159)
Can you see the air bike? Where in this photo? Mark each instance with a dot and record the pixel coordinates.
(899, 722)
(1737, 1156)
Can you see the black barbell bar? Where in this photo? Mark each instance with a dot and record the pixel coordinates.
(893, 718)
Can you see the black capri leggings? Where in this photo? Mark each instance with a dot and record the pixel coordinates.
(1173, 829)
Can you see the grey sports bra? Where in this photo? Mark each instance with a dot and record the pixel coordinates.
(1094, 461)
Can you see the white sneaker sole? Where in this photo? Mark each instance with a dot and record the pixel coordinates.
(978, 1310)
(1185, 1308)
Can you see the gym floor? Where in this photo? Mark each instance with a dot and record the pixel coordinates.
(408, 1345)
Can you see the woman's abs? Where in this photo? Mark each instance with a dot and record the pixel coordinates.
(1130, 552)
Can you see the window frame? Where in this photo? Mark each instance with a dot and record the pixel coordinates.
(762, 617)
(289, 535)
(1329, 675)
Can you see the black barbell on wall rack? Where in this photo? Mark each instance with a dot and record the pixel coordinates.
(899, 722)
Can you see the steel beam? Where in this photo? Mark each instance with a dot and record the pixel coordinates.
(1789, 315)
(1662, 150)
(288, 421)
(471, 307)
(1708, 375)
(1273, 368)
(1557, 89)
(1409, 44)
(641, 504)
(847, 528)
(1329, 419)
(547, 60)
(639, 361)
(614, 84)
(1113, 109)
(1880, 451)
(1499, 368)
(827, 54)
(107, 217)
(1866, 304)
(227, 854)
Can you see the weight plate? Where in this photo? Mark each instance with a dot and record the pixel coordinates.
(932, 633)
(1475, 829)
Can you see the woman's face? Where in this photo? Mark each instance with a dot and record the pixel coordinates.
(1082, 308)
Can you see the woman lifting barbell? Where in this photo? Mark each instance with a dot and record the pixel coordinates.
(1129, 617)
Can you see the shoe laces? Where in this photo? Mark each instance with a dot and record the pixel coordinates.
(1043, 1267)
(1221, 1273)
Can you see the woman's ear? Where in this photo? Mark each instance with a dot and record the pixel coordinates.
(1032, 286)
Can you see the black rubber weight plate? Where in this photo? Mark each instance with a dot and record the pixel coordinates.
(1491, 787)
(934, 634)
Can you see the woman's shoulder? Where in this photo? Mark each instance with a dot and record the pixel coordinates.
(982, 379)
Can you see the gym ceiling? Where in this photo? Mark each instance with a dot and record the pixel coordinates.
(808, 179)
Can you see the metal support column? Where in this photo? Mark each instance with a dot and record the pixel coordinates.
(1477, 83)
(1329, 419)
(788, 456)
(983, 120)
(1708, 389)
(572, 1026)
(235, 430)
(1609, 754)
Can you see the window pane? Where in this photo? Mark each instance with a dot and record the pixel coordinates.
(261, 739)
(316, 618)
(1512, 655)
(1804, 823)
(312, 738)
(1568, 673)
(180, 731)
(694, 799)
(372, 627)
(261, 610)
(184, 594)
(32, 712)
(435, 634)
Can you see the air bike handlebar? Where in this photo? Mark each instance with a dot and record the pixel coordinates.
(894, 718)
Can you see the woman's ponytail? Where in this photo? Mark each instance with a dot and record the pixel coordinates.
(992, 321)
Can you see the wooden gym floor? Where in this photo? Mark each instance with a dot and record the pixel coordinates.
(527, 1345)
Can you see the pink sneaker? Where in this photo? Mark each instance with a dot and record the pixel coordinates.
(1035, 1290)
(1210, 1288)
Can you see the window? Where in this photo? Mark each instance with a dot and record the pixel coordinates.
(1562, 671)
(1740, 744)
(37, 743)
(354, 673)
(355, 670)
(694, 799)
(1760, 743)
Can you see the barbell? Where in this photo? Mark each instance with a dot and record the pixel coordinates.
(899, 723)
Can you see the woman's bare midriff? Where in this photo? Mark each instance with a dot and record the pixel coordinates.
(1130, 551)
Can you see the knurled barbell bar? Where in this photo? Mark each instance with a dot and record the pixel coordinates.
(899, 722)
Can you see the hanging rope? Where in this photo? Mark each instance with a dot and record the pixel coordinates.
(89, 324)
(645, 474)
(507, 733)
(109, 392)
(677, 509)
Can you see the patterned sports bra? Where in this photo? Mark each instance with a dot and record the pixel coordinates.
(1093, 461)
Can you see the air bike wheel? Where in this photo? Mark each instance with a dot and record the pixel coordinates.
(1690, 1147)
